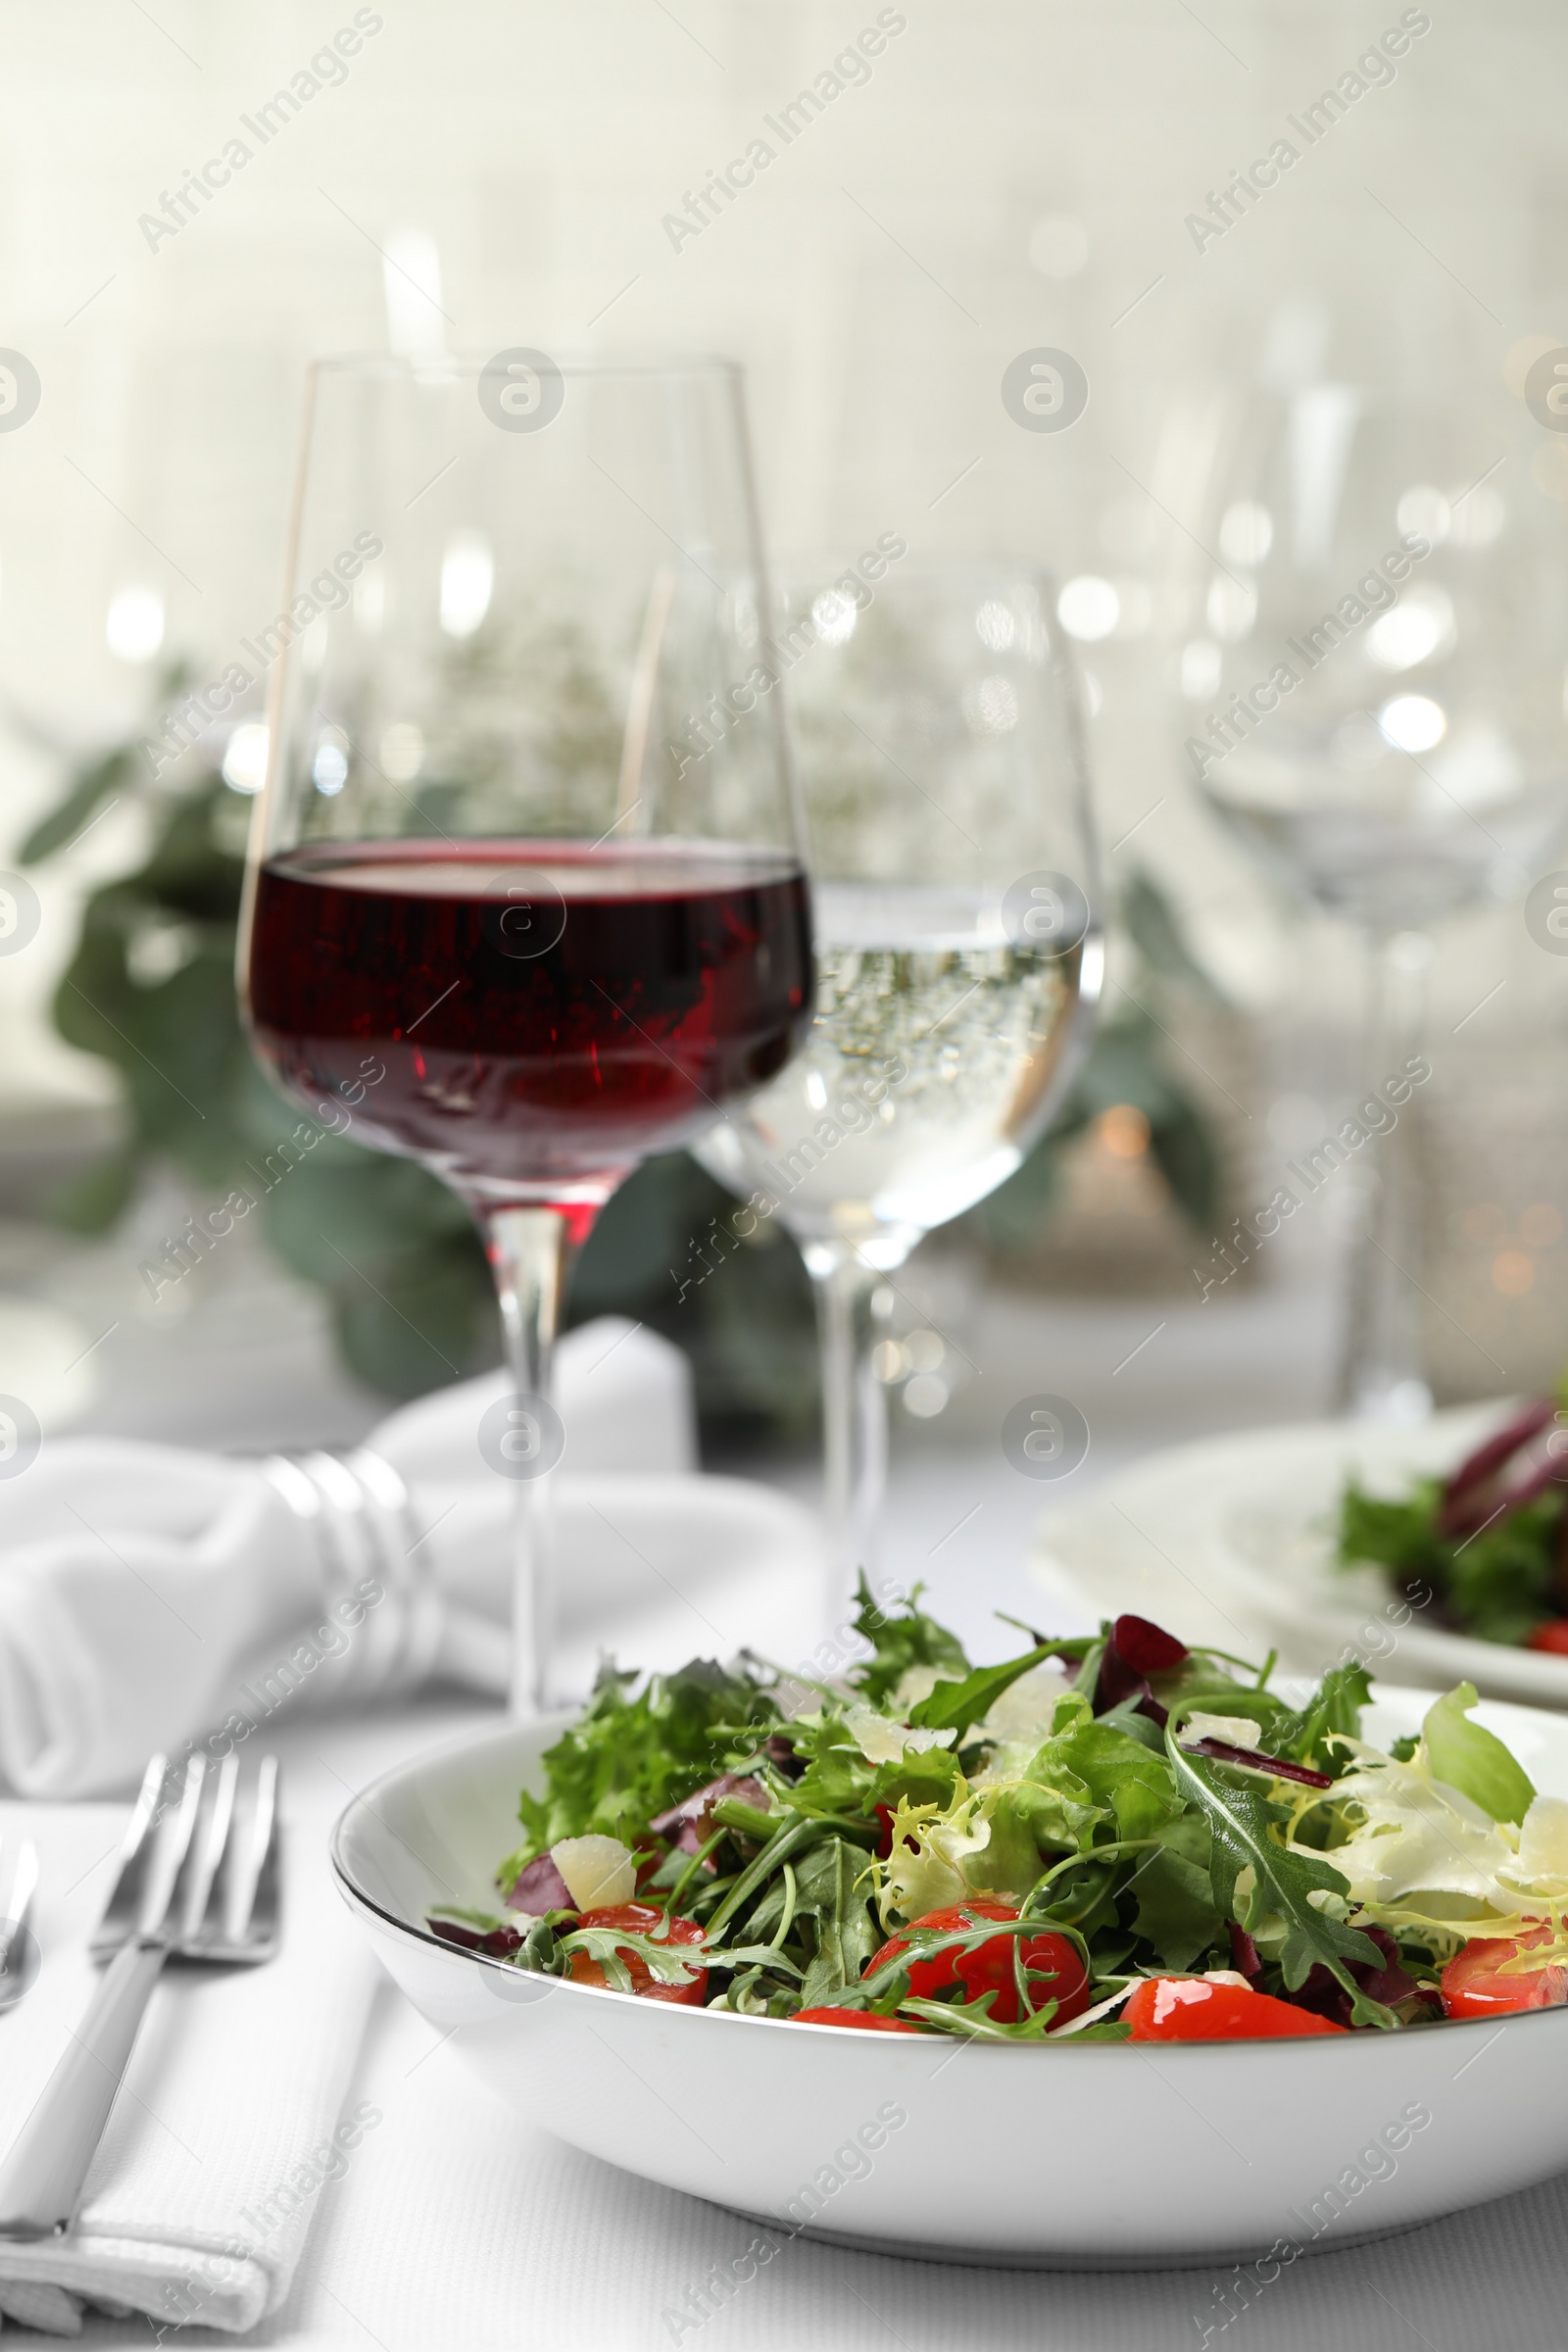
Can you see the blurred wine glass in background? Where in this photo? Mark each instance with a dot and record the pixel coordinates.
(1377, 667)
(959, 960)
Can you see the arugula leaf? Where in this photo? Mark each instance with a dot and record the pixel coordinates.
(1333, 1706)
(1473, 1760)
(1087, 1678)
(972, 2020)
(902, 1640)
(1241, 1823)
(954, 1706)
(666, 1963)
(750, 1955)
(845, 1933)
(789, 1838)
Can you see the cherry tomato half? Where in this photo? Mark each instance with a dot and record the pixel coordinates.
(641, 1919)
(1551, 1635)
(988, 1967)
(1473, 1987)
(1189, 2009)
(854, 2017)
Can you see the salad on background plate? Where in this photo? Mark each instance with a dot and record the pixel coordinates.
(1110, 1837)
(1487, 1545)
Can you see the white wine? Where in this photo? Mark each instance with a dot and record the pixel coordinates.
(937, 1052)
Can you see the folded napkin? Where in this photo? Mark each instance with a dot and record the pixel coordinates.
(238, 2115)
(152, 1597)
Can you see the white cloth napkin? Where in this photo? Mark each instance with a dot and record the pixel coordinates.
(237, 2113)
(152, 1597)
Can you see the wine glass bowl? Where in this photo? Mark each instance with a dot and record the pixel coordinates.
(512, 893)
(936, 1050)
(937, 735)
(958, 959)
(1379, 665)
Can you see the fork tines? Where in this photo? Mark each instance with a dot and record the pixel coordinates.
(198, 1869)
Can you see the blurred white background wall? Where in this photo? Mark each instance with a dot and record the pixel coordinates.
(991, 178)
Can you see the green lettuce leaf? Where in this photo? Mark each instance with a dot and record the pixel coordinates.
(1174, 1889)
(1117, 1772)
(837, 1777)
(1474, 1761)
(923, 1777)
(1009, 1862)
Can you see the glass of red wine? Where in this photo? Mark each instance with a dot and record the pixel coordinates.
(526, 885)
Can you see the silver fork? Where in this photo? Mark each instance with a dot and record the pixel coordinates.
(191, 1884)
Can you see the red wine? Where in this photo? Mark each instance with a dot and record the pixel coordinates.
(546, 1014)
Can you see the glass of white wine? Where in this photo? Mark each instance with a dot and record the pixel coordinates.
(959, 958)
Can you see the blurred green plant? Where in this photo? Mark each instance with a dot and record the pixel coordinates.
(150, 988)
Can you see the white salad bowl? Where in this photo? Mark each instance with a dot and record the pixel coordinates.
(1078, 2155)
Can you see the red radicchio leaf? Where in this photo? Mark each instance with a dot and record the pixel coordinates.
(1511, 1469)
(1389, 1984)
(1136, 1650)
(781, 1753)
(540, 1887)
(1255, 1760)
(496, 1941)
(692, 1810)
(1244, 1951)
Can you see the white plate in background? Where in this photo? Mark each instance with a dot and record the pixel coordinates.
(1230, 1543)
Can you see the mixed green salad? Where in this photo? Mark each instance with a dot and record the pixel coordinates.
(1485, 1548)
(1107, 1837)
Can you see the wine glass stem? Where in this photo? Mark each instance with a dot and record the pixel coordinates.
(854, 1428)
(527, 1252)
(1381, 1376)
